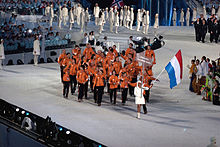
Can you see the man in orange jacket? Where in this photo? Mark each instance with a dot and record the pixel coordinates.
(131, 51)
(88, 52)
(149, 53)
(113, 82)
(60, 61)
(124, 80)
(117, 65)
(98, 87)
(66, 82)
(73, 72)
(82, 78)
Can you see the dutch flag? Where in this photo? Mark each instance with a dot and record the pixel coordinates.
(175, 69)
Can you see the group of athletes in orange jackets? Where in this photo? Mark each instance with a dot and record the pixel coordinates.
(98, 71)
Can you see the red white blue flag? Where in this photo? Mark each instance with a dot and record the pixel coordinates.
(118, 3)
(175, 69)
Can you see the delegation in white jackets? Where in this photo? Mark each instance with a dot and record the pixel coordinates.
(2, 53)
(174, 17)
(64, 15)
(36, 50)
(187, 16)
(96, 13)
(182, 17)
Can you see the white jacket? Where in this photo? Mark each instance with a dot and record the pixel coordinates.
(187, 15)
(128, 17)
(132, 15)
(182, 16)
(36, 47)
(71, 16)
(148, 18)
(47, 11)
(139, 17)
(213, 11)
(156, 23)
(174, 15)
(60, 12)
(87, 18)
(205, 67)
(96, 11)
(102, 19)
(116, 20)
(121, 14)
(111, 16)
(51, 12)
(78, 11)
(2, 51)
(64, 12)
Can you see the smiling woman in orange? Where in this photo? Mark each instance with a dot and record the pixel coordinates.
(113, 82)
(82, 78)
(88, 52)
(99, 86)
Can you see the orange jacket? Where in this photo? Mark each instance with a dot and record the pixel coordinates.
(130, 51)
(99, 80)
(61, 58)
(66, 62)
(115, 53)
(76, 52)
(113, 81)
(110, 68)
(88, 52)
(73, 69)
(117, 67)
(82, 77)
(122, 71)
(150, 54)
(66, 76)
(124, 82)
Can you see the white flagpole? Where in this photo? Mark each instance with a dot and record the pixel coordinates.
(158, 76)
